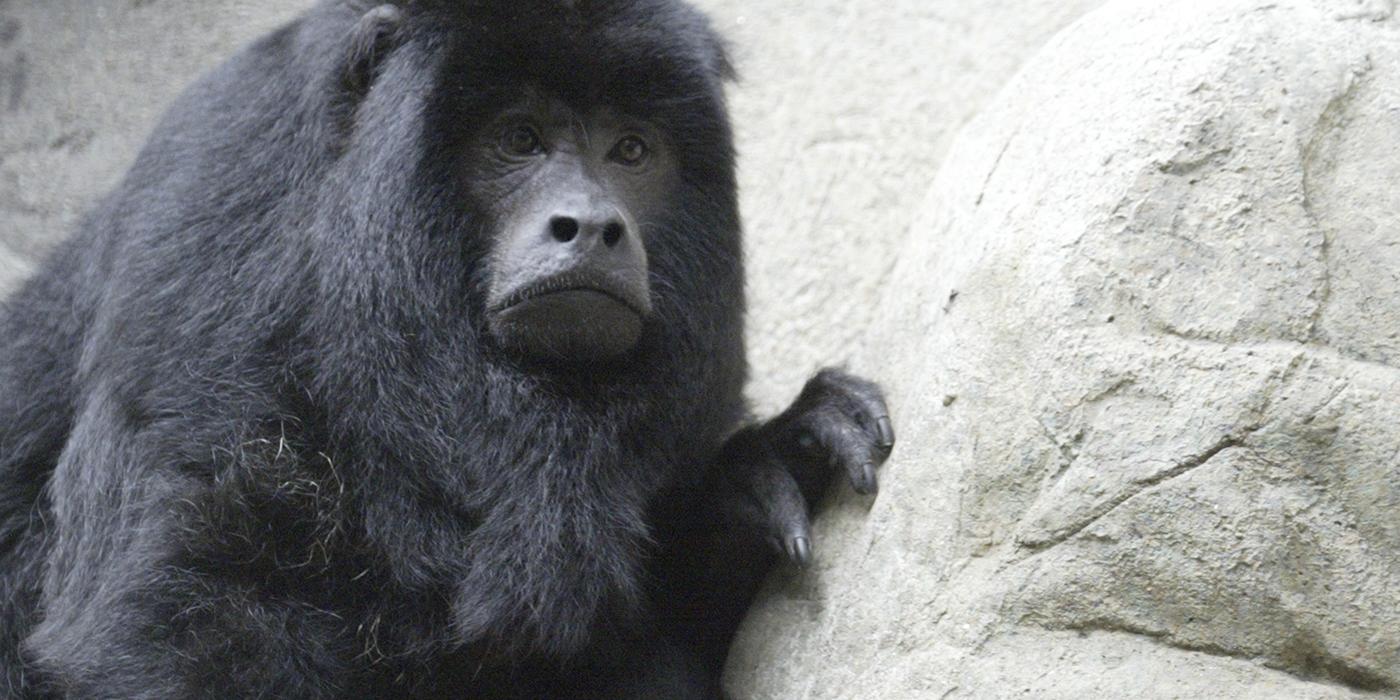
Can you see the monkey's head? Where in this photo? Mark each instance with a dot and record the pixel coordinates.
(582, 153)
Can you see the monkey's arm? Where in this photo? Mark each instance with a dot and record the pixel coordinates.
(718, 546)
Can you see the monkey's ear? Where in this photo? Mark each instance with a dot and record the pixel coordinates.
(371, 41)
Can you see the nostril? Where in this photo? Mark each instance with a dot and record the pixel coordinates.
(612, 233)
(563, 228)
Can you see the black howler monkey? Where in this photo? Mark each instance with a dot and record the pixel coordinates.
(406, 361)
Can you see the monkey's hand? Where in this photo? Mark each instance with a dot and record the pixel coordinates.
(779, 470)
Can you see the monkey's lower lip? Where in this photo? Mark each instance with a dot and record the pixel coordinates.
(573, 292)
(572, 324)
(632, 296)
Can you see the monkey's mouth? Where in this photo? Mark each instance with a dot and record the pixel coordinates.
(571, 317)
(578, 282)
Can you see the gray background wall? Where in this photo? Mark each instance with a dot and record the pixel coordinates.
(1125, 266)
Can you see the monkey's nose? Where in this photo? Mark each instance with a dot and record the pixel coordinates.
(565, 229)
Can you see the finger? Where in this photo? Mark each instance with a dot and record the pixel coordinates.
(847, 446)
(864, 401)
(784, 512)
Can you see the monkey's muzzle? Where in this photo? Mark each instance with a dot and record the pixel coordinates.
(572, 317)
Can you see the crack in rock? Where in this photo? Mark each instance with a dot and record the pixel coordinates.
(1101, 510)
(1330, 121)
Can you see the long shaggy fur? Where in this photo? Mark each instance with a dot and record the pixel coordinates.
(254, 437)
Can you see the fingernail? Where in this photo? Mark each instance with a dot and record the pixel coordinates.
(868, 484)
(886, 431)
(802, 551)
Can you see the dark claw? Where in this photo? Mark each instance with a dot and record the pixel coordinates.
(886, 430)
(867, 483)
(801, 551)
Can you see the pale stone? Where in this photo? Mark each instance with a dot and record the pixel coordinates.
(1171, 469)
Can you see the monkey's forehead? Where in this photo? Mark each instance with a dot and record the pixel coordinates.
(650, 43)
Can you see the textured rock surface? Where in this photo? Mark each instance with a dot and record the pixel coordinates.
(1154, 283)
(844, 112)
(1141, 335)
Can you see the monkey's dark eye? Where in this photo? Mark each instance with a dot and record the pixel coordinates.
(631, 150)
(522, 140)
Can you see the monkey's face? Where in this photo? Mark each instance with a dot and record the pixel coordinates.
(569, 197)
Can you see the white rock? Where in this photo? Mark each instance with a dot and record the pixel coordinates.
(1171, 469)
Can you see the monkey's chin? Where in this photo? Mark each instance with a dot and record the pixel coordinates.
(575, 326)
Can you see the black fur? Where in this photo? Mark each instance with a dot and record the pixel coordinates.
(255, 441)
